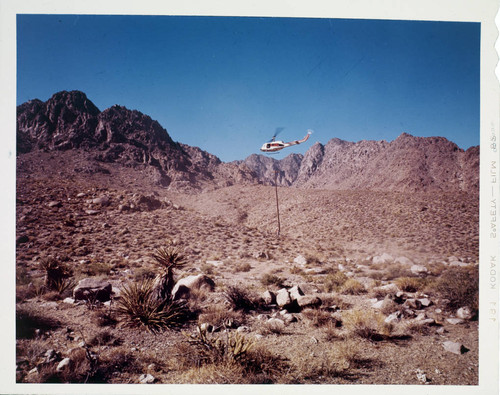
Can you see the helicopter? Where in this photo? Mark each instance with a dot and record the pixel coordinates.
(274, 145)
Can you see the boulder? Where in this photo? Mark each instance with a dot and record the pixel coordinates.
(184, 286)
(464, 313)
(146, 379)
(308, 301)
(300, 260)
(418, 269)
(382, 258)
(295, 292)
(283, 297)
(425, 302)
(102, 201)
(90, 288)
(455, 321)
(269, 297)
(64, 364)
(455, 348)
(403, 261)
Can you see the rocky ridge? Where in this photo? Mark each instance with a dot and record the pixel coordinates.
(70, 121)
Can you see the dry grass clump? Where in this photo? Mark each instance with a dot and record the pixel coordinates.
(240, 299)
(334, 281)
(330, 361)
(272, 327)
(318, 318)
(460, 285)
(411, 284)
(367, 324)
(242, 268)
(140, 308)
(352, 287)
(219, 316)
(228, 358)
(268, 279)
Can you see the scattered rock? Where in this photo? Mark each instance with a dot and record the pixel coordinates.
(300, 260)
(90, 288)
(22, 239)
(146, 379)
(384, 258)
(421, 376)
(184, 286)
(418, 269)
(464, 313)
(308, 301)
(54, 203)
(283, 297)
(102, 201)
(412, 304)
(403, 261)
(394, 317)
(69, 300)
(455, 348)
(455, 321)
(64, 364)
(91, 212)
(295, 292)
(269, 297)
(424, 302)
(261, 255)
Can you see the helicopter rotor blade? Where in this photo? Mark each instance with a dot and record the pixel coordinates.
(276, 132)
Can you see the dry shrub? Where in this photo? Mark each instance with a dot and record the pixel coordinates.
(240, 299)
(332, 360)
(219, 315)
(273, 327)
(367, 324)
(352, 287)
(318, 318)
(413, 326)
(411, 284)
(225, 359)
(242, 267)
(334, 281)
(460, 285)
(268, 279)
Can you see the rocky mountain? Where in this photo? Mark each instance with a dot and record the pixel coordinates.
(117, 135)
(70, 121)
(406, 164)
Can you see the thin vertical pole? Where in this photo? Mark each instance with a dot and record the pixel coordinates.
(277, 205)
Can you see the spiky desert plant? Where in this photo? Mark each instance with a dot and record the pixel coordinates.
(168, 258)
(57, 274)
(239, 299)
(140, 308)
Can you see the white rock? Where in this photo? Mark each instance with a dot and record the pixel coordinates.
(146, 379)
(403, 261)
(418, 269)
(459, 264)
(394, 317)
(215, 263)
(455, 348)
(383, 258)
(63, 364)
(69, 300)
(300, 260)
(425, 302)
(283, 297)
(379, 304)
(455, 321)
(464, 313)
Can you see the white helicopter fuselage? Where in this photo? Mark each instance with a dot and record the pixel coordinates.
(273, 146)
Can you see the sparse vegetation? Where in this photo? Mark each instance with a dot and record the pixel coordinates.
(460, 286)
(352, 287)
(411, 284)
(57, 275)
(334, 281)
(366, 324)
(140, 308)
(268, 279)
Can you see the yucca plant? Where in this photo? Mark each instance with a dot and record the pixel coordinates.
(142, 309)
(168, 258)
(57, 275)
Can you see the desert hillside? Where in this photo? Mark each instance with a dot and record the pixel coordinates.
(143, 260)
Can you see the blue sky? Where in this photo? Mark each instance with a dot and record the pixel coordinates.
(225, 84)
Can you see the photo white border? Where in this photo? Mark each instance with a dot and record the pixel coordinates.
(483, 11)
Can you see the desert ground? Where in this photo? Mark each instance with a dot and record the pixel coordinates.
(381, 286)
